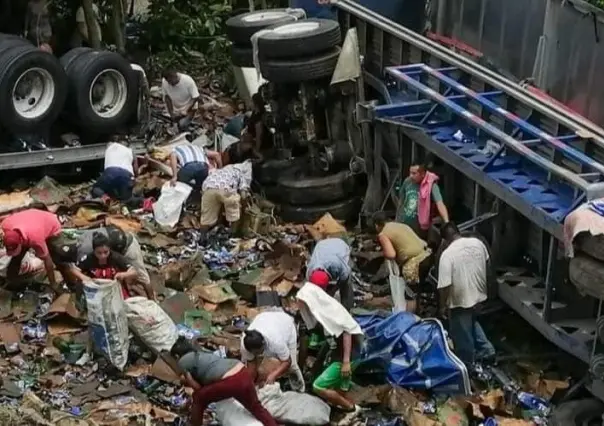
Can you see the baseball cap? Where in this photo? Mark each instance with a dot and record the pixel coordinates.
(12, 242)
(319, 278)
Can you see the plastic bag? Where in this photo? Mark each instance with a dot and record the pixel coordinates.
(285, 407)
(107, 320)
(169, 206)
(397, 287)
(29, 265)
(151, 323)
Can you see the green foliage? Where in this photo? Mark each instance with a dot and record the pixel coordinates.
(597, 3)
(179, 26)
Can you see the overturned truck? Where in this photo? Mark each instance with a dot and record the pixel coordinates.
(352, 108)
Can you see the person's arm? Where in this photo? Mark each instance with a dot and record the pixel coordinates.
(347, 353)
(170, 107)
(215, 157)
(387, 247)
(259, 134)
(49, 267)
(77, 272)
(440, 205)
(135, 165)
(284, 356)
(190, 382)
(444, 284)
(127, 275)
(174, 167)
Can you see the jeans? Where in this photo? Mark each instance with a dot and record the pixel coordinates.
(239, 387)
(115, 182)
(193, 173)
(471, 344)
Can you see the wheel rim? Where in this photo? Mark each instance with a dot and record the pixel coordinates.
(297, 28)
(33, 93)
(264, 16)
(108, 93)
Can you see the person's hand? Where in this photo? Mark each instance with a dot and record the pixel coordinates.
(270, 379)
(173, 181)
(245, 195)
(443, 313)
(120, 276)
(345, 371)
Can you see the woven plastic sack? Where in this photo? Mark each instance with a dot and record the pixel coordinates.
(107, 320)
(151, 323)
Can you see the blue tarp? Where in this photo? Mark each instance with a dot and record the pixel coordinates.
(414, 352)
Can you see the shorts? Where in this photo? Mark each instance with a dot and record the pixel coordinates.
(212, 202)
(62, 248)
(331, 378)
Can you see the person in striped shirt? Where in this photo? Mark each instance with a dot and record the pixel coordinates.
(194, 164)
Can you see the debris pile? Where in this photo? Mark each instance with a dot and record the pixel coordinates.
(211, 285)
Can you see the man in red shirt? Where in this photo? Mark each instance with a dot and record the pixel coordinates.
(37, 230)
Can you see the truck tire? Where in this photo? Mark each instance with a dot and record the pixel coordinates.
(300, 69)
(317, 190)
(270, 171)
(242, 56)
(347, 211)
(103, 91)
(69, 58)
(241, 28)
(12, 38)
(14, 41)
(306, 37)
(593, 245)
(587, 274)
(33, 88)
(577, 413)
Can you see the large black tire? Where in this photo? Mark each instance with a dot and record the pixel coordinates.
(85, 69)
(593, 245)
(587, 274)
(241, 28)
(271, 171)
(300, 69)
(69, 58)
(577, 413)
(321, 35)
(4, 38)
(42, 107)
(317, 190)
(242, 56)
(347, 211)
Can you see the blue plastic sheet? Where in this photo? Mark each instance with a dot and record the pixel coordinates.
(414, 352)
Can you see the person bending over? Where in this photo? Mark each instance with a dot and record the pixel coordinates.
(273, 335)
(214, 379)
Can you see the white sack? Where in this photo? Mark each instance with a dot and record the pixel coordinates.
(107, 320)
(151, 323)
(285, 407)
(169, 206)
(29, 265)
(397, 287)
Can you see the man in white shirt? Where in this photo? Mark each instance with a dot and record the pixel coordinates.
(181, 97)
(117, 179)
(273, 334)
(462, 285)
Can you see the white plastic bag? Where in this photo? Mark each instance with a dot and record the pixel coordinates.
(29, 265)
(107, 320)
(397, 287)
(151, 323)
(285, 407)
(169, 206)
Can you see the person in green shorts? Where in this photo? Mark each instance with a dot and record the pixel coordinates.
(410, 199)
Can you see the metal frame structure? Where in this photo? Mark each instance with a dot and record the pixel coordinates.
(543, 168)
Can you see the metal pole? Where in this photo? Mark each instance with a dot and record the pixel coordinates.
(568, 119)
(549, 281)
(441, 16)
(550, 32)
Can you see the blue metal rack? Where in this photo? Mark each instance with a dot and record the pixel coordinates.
(536, 186)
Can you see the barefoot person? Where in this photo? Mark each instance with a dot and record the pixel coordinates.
(214, 379)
